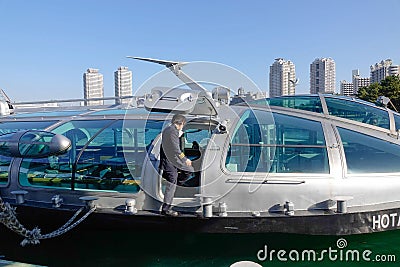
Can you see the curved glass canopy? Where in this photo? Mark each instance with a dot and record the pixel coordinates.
(338, 106)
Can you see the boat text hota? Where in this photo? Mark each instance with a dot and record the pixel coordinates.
(385, 221)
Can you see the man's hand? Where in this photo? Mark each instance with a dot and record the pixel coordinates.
(188, 162)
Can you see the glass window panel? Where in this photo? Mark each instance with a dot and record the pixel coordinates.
(195, 137)
(367, 154)
(4, 165)
(56, 171)
(34, 144)
(134, 111)
(5, 144)
(358, 112)
(50, 113)
(397, 121)
(309, 103)
(270, 142)
(15, 126)
(112, 160)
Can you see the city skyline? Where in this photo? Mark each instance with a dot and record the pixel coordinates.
(93, 86)
(44, 36)
(282, 77)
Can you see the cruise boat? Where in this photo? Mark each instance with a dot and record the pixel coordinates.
(306, 164)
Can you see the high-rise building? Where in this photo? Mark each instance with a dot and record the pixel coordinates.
(381, 70)
(346, 88)
(123, 84)
(322, 76)
(359, 82)
(282, 78)
(93, 87)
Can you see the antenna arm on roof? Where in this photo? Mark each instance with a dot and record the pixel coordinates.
(176, 68)
(5, 96)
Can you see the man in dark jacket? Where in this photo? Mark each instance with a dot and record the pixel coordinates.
(172, 160)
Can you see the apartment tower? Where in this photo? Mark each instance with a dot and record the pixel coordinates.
(322, 76)
(346, 88)
(381, 70)
(93, 87)
(123, 84)
(282, 78)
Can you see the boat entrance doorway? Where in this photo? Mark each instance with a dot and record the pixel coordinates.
(193, 143)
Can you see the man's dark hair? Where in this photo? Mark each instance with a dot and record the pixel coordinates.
(178, 119)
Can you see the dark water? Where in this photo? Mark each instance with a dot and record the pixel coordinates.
(136, 248)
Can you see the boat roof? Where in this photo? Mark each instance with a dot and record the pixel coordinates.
(74, 112)
(350, 109)
(332, 106)
(299, 101)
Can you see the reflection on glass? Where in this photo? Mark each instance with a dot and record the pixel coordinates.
(16, 126)
(270, 142)
(397, 121)
(4, 164)
(12, 127)
(358, 112)
(108, 154)
(367, 154)
(5, 144)
(34, 144)
(309, 103)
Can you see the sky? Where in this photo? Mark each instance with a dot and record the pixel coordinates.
(47, 45)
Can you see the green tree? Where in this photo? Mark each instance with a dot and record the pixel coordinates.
(389, 87)
(370, 93)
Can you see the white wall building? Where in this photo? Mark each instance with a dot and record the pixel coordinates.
(93, 87)
(322, 76)
(381, 70)
(123, 84)
(351, 88)
(359, 82)
(282, 78)
(346, 88)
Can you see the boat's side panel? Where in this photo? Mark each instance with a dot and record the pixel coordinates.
(320, 224)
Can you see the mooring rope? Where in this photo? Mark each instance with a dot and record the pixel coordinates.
(32, 237)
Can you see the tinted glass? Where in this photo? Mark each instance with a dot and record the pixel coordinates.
(277, 143)
(358, 112)
(32, 143)
(15, 126)
(5, 144)
(112, 160)
(397, 121)
(134, 111)
(50, 113)
(56, 170)
(309, 103)
(367, 154)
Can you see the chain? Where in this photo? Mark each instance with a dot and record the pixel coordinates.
(33, 237)
(64, 228)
